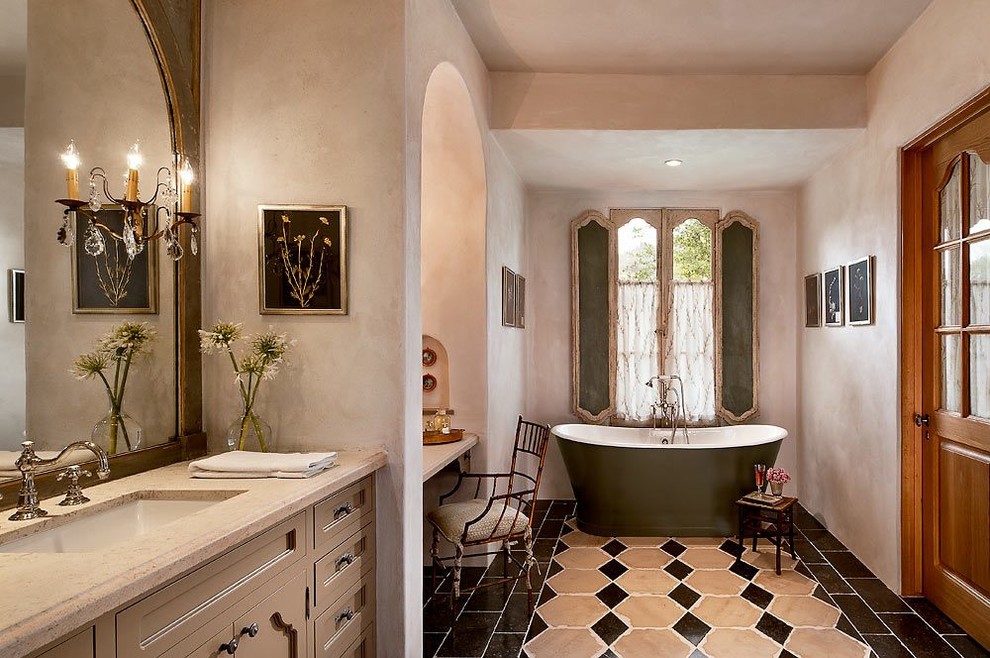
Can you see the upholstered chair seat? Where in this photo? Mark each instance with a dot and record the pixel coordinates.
(501, 520)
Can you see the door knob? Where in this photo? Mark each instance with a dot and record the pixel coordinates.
(922, 420)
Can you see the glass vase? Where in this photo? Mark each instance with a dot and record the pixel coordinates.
(250, 432)
(776, 488)
(117, 432)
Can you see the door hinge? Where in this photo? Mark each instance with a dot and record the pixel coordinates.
(922, 420)
(307, 602)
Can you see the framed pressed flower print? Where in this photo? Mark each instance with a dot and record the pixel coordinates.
(813, 300)
(302, 260)
(834, 298)
(859, 277)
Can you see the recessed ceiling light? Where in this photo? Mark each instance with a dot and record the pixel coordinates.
(673, 162)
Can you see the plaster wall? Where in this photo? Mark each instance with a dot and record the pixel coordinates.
(69, 82)
(12, 100)
(548, 344)
(849, 454)
(12, 376)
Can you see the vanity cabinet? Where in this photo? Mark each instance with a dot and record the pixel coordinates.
(81, 645)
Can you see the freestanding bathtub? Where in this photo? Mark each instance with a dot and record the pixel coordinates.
(628, 484)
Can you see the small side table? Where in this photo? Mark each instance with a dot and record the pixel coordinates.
(771, 520)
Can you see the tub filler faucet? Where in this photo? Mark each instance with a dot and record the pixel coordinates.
(669, 402)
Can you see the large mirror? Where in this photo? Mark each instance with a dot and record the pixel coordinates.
(83, 71)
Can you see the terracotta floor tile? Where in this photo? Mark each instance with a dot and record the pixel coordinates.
(713, 542)
(767, 559)
(788, 582)
(715, 582)
(572, 610)
(578, 538)
(646, 581)
(735, 643)
(727, 611)
(645, 558)
(641, 643)
(824, 643)
(583, 558)
(804, 611)
(643, 541)
(570, 642)
(649, 612)
(578, 581)
(706, 558)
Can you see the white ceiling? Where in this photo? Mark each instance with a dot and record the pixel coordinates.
(13, 37)
(634, 160)
(686, 36)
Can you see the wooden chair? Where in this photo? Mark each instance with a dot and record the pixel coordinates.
(504, 517)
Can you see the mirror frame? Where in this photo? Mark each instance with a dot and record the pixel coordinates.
(173, 30)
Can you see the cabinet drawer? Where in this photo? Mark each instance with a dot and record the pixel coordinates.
(340, 515)
(154, 624)
(341, 626)
(337, 572)
(80, 645)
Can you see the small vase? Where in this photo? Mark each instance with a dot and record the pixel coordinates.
(250, 432)
(776, 488)
(117, 432)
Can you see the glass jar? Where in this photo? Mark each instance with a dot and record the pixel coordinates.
(441, 422)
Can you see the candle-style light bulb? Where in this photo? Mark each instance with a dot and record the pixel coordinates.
(133, 164)
(70, 158)
(187, 176)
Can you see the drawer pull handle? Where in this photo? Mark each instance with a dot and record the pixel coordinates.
(345, 560)
(230, 647)
(346, 615)
(251, 630)
(342, 511)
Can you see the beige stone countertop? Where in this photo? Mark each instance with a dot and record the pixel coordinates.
(45, 596)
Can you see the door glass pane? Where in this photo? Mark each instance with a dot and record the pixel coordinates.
(637, 251)
(979, 194)
(951, 375)
(979, 375)
(979, 282)
(950, 206)
(692, 251)
(950, 284)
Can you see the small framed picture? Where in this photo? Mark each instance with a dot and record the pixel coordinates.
(520, 302)
(813, 300)
(508, 297)
(104, 279)
(834, 289)
(859, 291)
(15, 295)
(302, 260)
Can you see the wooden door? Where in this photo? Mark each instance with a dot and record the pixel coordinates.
(276, 627)
(955, 318)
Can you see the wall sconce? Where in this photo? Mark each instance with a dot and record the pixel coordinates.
(144, 221)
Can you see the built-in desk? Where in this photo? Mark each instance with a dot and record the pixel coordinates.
(438, 456)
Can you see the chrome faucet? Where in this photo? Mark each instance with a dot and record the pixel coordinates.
(668, 401)
(28, 463)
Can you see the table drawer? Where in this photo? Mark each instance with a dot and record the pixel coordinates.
(342, 514)
(341, 626)
(154, 624)
(337, 572)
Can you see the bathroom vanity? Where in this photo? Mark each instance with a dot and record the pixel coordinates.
(163, 565)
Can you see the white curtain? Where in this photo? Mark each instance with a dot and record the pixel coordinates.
(636, 348)
(689, 349)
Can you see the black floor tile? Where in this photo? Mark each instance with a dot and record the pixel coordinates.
(802, 569)
(773, 628)
(878, 596)
(830, 579)
(515, 617)
(613, 569)
(498, 568)
(609, 628)
(490, 599)
(470, 576)
(731, 547)
(504, 645)
(469, 637)
(846, 627)
(674, 548)
(684, 596)
(614, 547)
(917, 635)
(784, 653)
(678, 570)
(554, 569)
(560, 509)
(864, 619)
(744, 569)
(822, 595)
(804, 520)
(935, 617)
(697, 654)
(823, 540)
(807, 552)
(542, 504)
(612, 595)
(550, 529)
(543, 548)
(692, 629)
(609, 654)
(536, 627)
(437, 614)
(967, 647)
(847, 564)
(757, 595)
(545, 595)
(887, 646)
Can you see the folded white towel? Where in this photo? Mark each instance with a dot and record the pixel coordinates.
(244, 464)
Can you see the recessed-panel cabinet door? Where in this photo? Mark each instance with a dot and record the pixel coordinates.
(77, 646)
(215, 647)
(276, 628)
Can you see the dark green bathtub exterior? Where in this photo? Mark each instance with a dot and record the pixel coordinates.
(663, 491)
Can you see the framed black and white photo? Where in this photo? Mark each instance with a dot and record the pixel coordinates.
(15, 295)
(302, 260)
(813, 300)
(834, 294)
(520, 292)
(859, 291)
(105, 280)
(508, 297)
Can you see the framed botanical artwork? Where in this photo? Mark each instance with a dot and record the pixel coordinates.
(520, 291)
(104, 278)
(302, 252)
(15, 295)
(834, 289)
(859, 291)
(508, 297)
(813, 300)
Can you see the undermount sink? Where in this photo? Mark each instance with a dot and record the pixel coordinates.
(115, 521)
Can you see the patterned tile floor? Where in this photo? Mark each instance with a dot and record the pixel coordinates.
(668, 597)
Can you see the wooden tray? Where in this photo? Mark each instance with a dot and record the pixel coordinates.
(438, 438)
